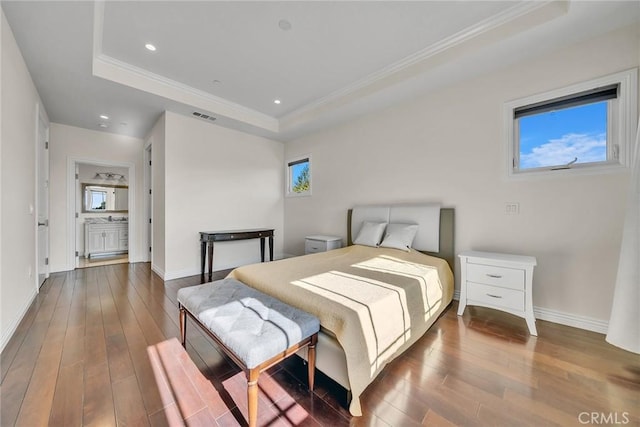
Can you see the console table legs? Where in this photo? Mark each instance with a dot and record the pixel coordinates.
(208, 238)
(210, 261)
(270, 248)
(203, 255)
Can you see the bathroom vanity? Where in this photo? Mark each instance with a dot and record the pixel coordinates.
(103, 237)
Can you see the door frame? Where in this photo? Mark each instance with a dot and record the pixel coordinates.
(41, 119)
(71, 205)
(148, 202)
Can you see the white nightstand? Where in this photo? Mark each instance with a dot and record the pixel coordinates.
(499, 281)
(319, 243)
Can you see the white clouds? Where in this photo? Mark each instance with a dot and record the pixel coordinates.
(587, 148)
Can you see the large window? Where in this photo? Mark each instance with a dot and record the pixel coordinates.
(582, 128)
(299, 176)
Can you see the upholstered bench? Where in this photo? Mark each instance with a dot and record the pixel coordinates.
(256, 330)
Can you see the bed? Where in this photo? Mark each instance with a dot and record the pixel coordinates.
(373, 302)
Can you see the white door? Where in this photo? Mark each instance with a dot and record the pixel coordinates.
(43, 201)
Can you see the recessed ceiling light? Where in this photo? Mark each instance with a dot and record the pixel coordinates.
(276, 101)
(103, 125)
(284, 25)
(150, 47)
(216, 82)
(103, 117)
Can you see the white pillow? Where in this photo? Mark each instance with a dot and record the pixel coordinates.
(370, 234)
(399, 236)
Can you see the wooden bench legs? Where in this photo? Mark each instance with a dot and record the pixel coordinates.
(183, 326)
(253, 373)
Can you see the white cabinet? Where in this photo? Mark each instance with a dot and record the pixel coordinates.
(320, 243)
(500, 281)
(106, 238)
(123, 238)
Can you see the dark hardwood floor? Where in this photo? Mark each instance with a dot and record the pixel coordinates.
(81, 356)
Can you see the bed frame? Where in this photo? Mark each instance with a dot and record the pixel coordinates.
(331, 359)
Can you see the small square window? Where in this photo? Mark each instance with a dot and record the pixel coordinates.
(299, 177)
(585, 127)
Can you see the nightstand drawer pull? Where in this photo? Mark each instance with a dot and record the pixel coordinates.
(494, 296)
(503, 277)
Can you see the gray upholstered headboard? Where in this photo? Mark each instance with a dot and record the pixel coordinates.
(447, 225)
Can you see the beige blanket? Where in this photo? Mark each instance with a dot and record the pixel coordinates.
(376, 301)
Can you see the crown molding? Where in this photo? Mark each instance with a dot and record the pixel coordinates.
(122, 72)
(494, 22)
(112, 69)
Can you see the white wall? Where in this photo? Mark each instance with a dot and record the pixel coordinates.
(20, 104)
(448, 146)
(217, 179)
(69, 144)
(157, 141)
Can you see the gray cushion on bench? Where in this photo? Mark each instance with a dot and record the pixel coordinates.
(253, 325)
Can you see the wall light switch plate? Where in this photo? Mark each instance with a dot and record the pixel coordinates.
(511, 208)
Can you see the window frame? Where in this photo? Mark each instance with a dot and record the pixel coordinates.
(621, 123)
(289, 176)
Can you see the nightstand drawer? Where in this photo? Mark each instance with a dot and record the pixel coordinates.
(321, 243)
(497, 276)
(497, 296)
(314, 246)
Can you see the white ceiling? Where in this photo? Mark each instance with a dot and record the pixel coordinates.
(231, 60)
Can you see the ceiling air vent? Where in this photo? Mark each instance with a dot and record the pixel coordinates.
(204, 116)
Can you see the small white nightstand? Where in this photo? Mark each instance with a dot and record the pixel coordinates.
(500, 281)
(319, 243)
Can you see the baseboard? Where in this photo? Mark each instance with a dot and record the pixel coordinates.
(6, 335)
(188, 272)
(562, 318)
(179, 274)
(568, 319)
(158, 271)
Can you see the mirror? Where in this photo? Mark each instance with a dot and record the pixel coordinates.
(105, 198)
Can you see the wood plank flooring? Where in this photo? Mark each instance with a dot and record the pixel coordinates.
(81, 356)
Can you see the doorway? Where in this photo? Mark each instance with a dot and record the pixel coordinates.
(102, 231)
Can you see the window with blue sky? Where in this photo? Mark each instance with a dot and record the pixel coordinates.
(564, 136)
(299, 176)
(587, 127)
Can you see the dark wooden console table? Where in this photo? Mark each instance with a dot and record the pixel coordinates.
(207, 238)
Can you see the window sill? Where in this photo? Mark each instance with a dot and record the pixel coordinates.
(535, 174)
(294, 195)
